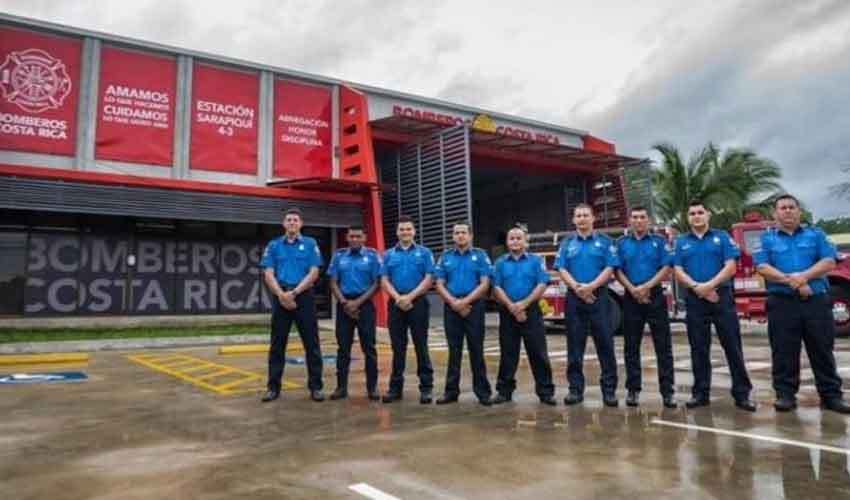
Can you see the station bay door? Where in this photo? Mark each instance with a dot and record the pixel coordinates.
(431, 180)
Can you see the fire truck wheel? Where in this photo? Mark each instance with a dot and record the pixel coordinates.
(616, 312)
(841, 309)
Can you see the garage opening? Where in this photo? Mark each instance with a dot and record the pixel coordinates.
(505, 195)
(439, 180)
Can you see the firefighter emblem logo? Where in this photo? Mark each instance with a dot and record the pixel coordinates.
(34, 80)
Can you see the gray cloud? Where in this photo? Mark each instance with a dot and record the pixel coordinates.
(740, 83)
(475, 88)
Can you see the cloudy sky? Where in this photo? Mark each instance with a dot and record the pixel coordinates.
(770, 75)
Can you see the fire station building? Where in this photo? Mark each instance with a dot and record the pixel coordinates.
(140, 179)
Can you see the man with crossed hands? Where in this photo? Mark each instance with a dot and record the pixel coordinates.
(463, 279)
(795, 260)
(519, 281)
(705, 263)
(644, 263)
(407, 274)
(586, 262)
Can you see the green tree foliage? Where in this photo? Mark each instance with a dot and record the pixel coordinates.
(730, 183)
(837, 225)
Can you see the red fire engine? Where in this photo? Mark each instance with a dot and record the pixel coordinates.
(750, 292)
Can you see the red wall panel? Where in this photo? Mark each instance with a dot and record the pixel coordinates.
(39, 84)
(225, 111)
(302, 129)
(135, 119)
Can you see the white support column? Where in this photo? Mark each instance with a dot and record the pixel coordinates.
(265, 130)
(87, 104)
(182, 118)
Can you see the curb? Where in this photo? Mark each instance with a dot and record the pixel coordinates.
(38, 359)
(71, 346)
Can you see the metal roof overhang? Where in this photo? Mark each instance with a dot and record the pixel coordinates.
(400, 129)
(52, 195)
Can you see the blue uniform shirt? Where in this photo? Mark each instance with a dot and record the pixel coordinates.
(355, 269)
(640, 259)
(518, 276)
(407, 268)
(291, 261)
(793, 253)
(585, 258)
(462, 272)
(702, 258)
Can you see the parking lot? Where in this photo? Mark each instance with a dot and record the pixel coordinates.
(187, 423)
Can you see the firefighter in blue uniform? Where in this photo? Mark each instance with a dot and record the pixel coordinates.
(519, 280)
(406, 275)
(355, 274)
(463, 280)
(291, 266)
(644, 263)
(705, 263)
(795, 260)
(586, 262)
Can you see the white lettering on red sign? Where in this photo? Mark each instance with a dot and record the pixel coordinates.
(136, 106)
(226, 115)
(32, 126)
(302, 130)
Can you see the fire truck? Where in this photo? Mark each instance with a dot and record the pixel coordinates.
(750, 292)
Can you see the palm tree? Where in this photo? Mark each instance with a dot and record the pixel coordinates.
(729, 183)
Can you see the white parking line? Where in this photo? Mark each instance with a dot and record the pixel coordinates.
(370, 492)
(790, 442)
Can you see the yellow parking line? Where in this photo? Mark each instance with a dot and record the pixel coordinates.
(160, 359)
(198, 368)
(173, 373)
(241, 381)
(219, 373)
(32, 359)
(293, 347)
(244, 349)
(181, 362)
(186, 368)
(286, 385)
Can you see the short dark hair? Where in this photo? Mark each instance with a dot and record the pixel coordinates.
(638, 208)
(584, 205)
(293, 211)
(405, 219)
(463, 223)
(696, 202)
(356, 227)
(785, 196)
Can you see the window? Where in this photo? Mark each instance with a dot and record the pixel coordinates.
(235, 231)
(12, 272)
(197, 230)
